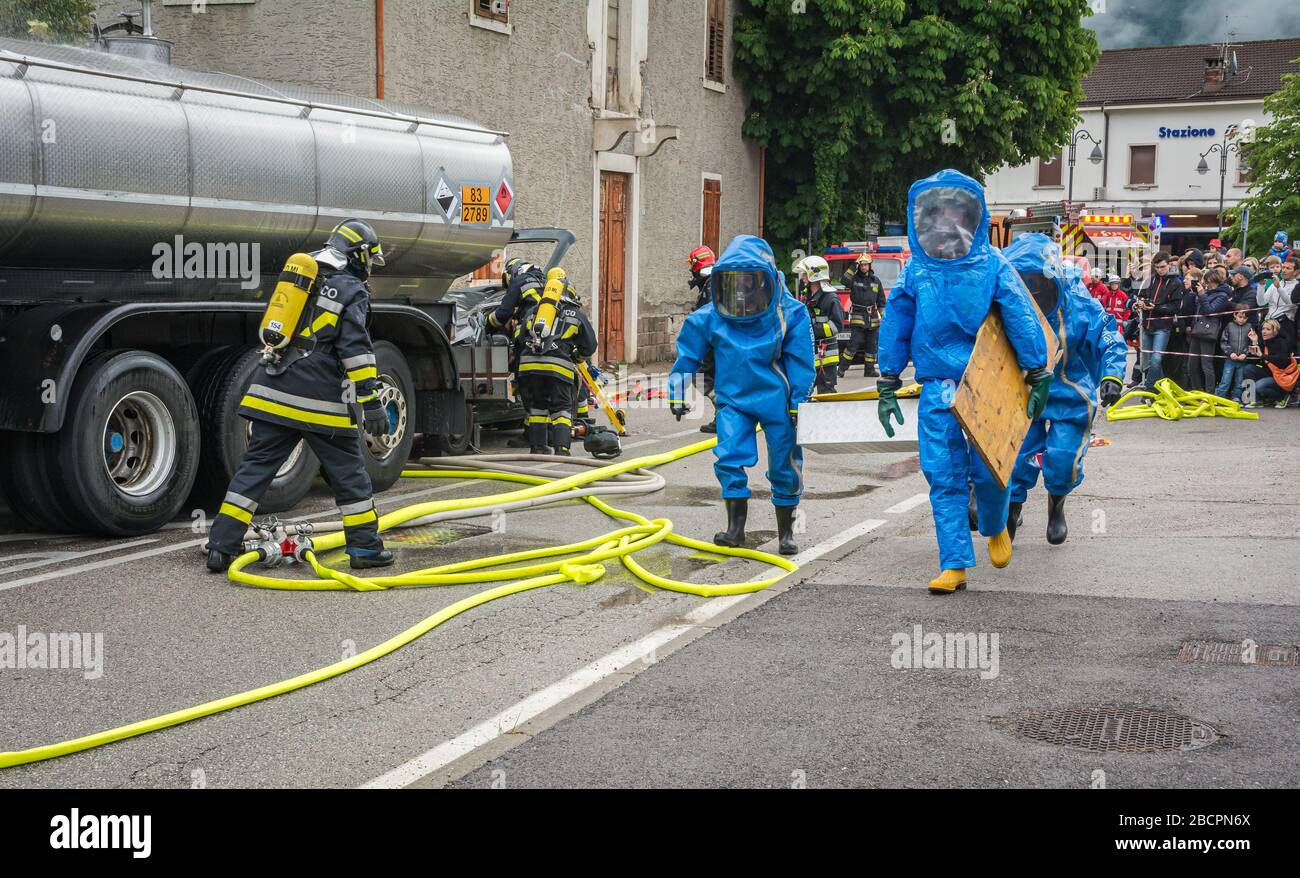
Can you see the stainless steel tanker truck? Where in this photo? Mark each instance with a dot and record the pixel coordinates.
(145, 214)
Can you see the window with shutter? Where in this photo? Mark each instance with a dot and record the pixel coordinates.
(710, 227)
(715, 57)
(1142, 165)
(497, 10)
(1049, 171)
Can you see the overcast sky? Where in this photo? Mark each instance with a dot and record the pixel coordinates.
(1128, 23)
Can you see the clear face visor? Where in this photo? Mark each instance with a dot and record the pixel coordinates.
(945, 219)
(1043, 288)
(741, 293)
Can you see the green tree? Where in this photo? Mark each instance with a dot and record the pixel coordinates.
(855, 99)
(59, 21)
(1274, 159)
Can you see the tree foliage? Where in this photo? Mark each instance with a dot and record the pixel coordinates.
(60, 21)
(855, 99)
(1274, 159)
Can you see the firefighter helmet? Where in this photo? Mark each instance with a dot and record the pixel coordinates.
(701, 257)
(357, 241)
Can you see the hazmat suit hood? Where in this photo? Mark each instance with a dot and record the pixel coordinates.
(745, 283)
(947, 221)
(1053, 282)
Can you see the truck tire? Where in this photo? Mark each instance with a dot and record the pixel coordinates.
(129, 448)
(386, 456)
(219, 388)
(29, 477)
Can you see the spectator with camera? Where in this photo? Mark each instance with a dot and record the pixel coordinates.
(1158, 307)
(1274, 375)
(1276, 296)
(1211, 291)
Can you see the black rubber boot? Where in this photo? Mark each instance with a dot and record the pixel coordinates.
(1056, 529)
(710, 427)
(843, 368)
(540, 449)
(785, 530)
(734, 536)
(562, 452)
(870, 371)
(384, 558)
(1014, 519)
(218, 561)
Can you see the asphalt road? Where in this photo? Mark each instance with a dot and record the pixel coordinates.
(1182, 531)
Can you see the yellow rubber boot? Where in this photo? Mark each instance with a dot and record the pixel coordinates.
(948, 581)
(1000, 549)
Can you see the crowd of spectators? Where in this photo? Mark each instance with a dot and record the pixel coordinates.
(1213, 320)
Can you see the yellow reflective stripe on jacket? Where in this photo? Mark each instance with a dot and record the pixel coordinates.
(324, 320)
(296, 414)
(236, 513)
(546, 367)
(363, 373)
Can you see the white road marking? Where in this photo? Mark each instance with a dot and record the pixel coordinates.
(910, 503)
(48, 558)
(540, 702)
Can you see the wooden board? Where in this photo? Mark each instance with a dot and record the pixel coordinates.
(991, 400)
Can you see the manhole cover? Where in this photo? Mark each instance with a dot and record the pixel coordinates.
(1113, 729)
(1245, 652)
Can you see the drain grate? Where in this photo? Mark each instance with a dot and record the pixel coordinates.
(1113, 729)
(1245, 652)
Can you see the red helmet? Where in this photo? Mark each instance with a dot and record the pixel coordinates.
(701, 257)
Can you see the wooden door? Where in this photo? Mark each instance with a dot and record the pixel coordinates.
(613, 263)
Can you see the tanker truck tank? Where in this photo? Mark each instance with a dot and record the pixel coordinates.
(114, 172)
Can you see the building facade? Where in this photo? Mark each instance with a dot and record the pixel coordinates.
(1155, 112)
(624, 118)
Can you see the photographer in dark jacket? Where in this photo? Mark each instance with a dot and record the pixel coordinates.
(1158, 304)
(1203, 335)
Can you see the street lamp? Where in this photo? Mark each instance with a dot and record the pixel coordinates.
(1203, 168)
(1094, 156)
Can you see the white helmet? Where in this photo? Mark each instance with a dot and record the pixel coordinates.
(818, 269)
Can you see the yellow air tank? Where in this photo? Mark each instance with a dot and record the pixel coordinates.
(544, 319)
(284, 313)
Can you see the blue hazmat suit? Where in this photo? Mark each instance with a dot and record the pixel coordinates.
(761, 339)
(936, 307)
(1091, 349)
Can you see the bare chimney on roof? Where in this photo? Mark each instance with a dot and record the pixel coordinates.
(1213, 75)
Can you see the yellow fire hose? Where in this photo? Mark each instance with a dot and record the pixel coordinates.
(1171, 403)
(584, 568)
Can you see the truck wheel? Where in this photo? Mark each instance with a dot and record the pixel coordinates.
(225, 437)
(129, 448)
(386, 456)
(29, 477)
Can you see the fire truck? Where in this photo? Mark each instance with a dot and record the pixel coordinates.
(1108, 240)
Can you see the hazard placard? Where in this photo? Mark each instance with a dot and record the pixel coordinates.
(475, 204)
(444, 197)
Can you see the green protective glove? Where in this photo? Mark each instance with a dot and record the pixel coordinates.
(888, 406)
(1039, 381)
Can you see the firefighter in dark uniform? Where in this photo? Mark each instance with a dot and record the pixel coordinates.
(701, 264)
(867, 300)
(306, 395)
(827, 322)
(546, 370)
(523, 283)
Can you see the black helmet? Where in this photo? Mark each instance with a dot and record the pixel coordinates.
(514, 265)
(570, 294)
(358, 242)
